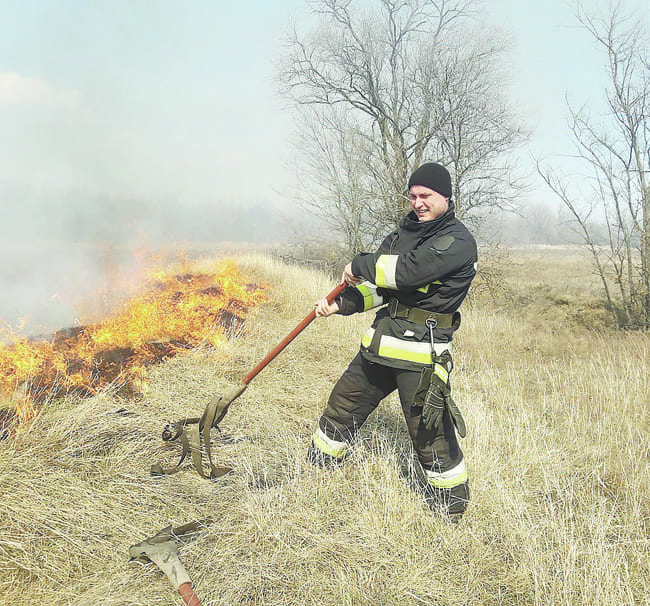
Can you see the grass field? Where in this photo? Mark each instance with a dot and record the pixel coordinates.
(557, 410)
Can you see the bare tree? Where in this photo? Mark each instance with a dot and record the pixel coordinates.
(615, 149)
(382, 89)
(476, 133)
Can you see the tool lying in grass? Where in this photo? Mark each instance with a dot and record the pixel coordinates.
(194, 430)
(162, 550)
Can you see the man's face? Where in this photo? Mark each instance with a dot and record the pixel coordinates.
(427, 204)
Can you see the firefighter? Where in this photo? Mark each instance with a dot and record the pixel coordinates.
(418, 278)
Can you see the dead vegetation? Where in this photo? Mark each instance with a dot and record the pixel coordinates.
(558, 419)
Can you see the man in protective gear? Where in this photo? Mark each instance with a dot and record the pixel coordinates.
(418, 278)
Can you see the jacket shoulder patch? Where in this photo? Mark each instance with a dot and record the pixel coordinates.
(443, 242)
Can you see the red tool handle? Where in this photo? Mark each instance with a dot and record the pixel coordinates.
(188, 595)
(291, 336)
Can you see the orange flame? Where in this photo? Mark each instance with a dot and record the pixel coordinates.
(176, 313)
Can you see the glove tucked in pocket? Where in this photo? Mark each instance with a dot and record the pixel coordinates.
(456, 417)
(438, 395)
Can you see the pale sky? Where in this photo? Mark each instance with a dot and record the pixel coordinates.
(175, 99)
(143, 98)
(172, 103)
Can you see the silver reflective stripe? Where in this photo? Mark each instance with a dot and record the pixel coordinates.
(385, 271)
(441, 372)
(399, 349)
(328, 446)
(440, 348)
(367, 338)
(448, 479)
(392, 347)
(412, 351)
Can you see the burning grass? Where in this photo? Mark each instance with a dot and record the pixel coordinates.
(175, 312)
(557, 418)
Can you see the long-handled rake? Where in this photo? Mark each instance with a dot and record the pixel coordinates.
(194, 430)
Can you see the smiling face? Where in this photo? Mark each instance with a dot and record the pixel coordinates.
(427, 204)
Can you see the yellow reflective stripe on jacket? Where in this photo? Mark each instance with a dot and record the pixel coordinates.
(392, 347)
(371, 298)
(448, 479)
(333, 448)
(385, 271)
(426, 287)
(367, 338)
(400, 349)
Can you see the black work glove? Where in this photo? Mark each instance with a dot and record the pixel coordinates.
(434, 403)
(438, 397)
(456, 417)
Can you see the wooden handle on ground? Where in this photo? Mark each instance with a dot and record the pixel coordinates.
(188, 595)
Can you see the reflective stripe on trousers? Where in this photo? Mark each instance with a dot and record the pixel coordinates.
(330, 447)
(450, 478)
(357, 394)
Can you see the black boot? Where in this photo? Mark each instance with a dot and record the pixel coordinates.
(448, 502)
(317, 457)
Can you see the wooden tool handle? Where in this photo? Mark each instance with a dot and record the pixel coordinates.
(291, 336)
(188, 595)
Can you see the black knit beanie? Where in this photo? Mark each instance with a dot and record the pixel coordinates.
(434, 176)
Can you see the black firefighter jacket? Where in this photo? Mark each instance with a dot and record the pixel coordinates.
(428, 265)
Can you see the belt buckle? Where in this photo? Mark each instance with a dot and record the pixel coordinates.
(431, 322)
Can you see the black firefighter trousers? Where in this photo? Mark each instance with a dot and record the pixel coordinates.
(357, 394)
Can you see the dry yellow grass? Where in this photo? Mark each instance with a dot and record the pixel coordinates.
(557, 449)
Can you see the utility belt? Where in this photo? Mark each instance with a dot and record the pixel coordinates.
(430, 319)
